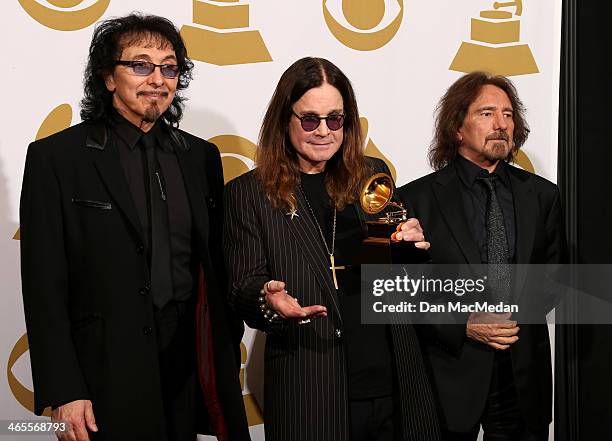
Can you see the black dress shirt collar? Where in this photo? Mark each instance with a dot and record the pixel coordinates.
(468, 172)
(130, 134)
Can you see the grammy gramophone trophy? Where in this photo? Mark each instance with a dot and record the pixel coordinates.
(376, 198)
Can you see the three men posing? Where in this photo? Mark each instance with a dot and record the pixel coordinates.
(123, 278)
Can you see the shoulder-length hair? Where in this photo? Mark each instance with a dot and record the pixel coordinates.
(276, 159)
(109, 39)
(453, 108)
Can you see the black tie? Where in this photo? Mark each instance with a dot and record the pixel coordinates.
(497, 244)
(161, 276)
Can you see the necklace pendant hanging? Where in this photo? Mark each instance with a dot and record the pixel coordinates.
(333, 268)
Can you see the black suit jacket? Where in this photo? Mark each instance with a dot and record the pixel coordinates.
(305, 388)
(461, 368)
(85, 276)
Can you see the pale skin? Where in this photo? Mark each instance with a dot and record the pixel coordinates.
(314, 149)
(485, 139)
(79, 418)
(140, 100)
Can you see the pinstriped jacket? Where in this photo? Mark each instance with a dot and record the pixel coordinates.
(306, 377)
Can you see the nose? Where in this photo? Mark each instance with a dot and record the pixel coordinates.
(322, 130)
(501, 122)
(156, 77)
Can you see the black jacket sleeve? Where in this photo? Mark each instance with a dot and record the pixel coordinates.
(44, 275)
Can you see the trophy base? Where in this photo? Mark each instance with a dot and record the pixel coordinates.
(378, 248)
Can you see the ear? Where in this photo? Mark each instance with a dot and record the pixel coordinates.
(459, 135)
(109, 81)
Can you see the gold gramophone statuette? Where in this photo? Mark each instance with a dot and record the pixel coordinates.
(376, 197)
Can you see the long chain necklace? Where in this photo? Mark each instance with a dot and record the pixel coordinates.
(330, 252)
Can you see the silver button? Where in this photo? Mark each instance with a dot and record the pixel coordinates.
(338, 333)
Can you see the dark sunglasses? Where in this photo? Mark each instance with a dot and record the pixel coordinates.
(145, 68)
(310, 122)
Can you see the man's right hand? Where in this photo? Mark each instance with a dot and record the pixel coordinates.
(79, 418)
(495, 330)
(287, 306)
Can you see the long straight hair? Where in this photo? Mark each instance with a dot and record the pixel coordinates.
(276, 159)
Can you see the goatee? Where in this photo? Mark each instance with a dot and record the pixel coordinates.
(499, 150)
(151, 114)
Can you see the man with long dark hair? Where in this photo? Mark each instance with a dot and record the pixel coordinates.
(292, 229)
(479, 209)
(123, 279)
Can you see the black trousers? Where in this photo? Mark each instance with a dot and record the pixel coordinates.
(501, 419)
(373, 419)
(175, 326)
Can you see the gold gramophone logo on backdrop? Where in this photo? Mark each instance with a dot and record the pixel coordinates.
(374, 22)
(495, 45)
(62, 16)
(220, 34)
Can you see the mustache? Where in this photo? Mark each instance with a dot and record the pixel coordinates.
(498, 136)
(152, 92)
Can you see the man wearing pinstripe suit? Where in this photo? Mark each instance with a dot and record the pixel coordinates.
(291, 229)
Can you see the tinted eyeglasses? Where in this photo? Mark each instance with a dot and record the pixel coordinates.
(310, 123)
(145, 68)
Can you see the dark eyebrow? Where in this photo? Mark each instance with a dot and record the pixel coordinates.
(331, 112)
(141, 56)
(148, 58)
(505, 109)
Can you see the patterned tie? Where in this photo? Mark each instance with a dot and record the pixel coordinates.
(499, 271)
(161, 275)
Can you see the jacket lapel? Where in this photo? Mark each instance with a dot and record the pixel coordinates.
(525, 212)
(309, 238)
(446, 190)
(196, 187)
(108, 164)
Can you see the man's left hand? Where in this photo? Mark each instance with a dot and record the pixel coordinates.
(411, 231)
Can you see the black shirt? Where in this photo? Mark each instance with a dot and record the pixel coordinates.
(368, 347)
(134, 164)
(475, 197)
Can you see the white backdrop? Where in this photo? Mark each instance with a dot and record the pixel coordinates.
(397, 54)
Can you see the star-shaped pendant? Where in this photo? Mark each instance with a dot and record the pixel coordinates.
(293, 213)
